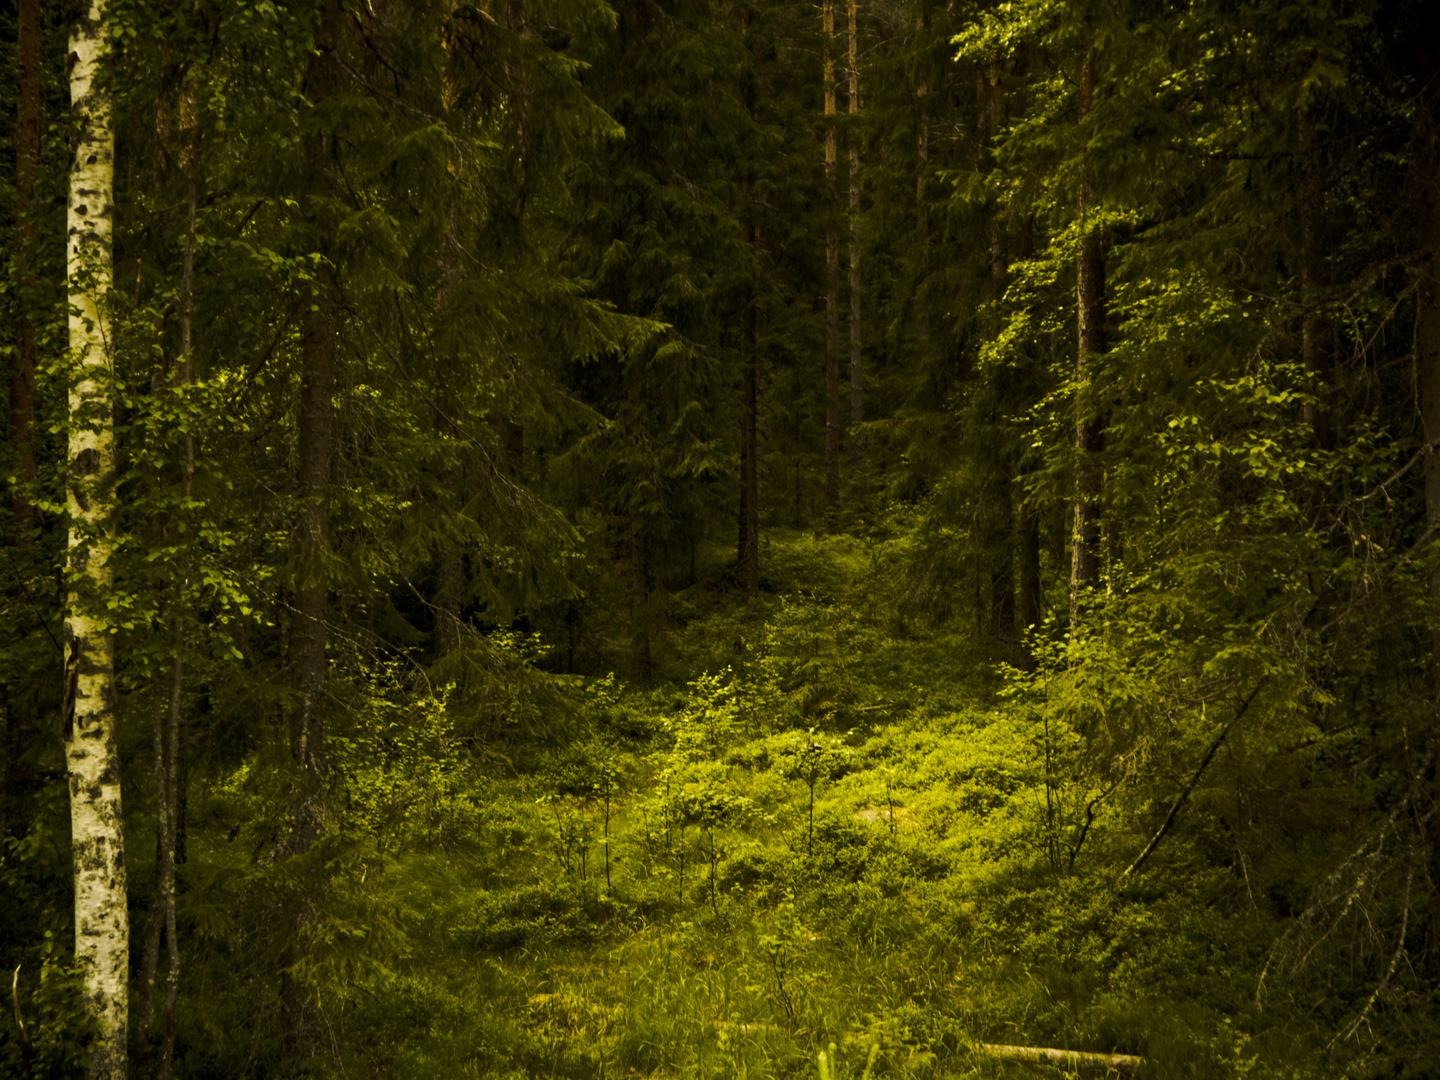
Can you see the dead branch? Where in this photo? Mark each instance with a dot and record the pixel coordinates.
(1065, 1059)
(1194, 779)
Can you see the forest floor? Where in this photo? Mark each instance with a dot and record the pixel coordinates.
(826, 847)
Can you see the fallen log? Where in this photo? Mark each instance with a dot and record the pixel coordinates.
(1070, 1059)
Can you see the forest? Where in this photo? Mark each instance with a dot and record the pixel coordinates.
(720, 539)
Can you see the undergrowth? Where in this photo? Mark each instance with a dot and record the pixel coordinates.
(832, 848)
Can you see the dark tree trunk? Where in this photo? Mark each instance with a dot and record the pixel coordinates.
(1002, 575)
(749, 450)
(857, 384)
(1000, 533)
(514, 449)
(27, 167)
(316, 421)
(1090, 296)
(641, 668)
(832, 288)
(1428, 346)
(447, 598)
(1314, 329)
(307, 646)
(1029, 573)
(749, 480)
(922, 224)
(307, 632)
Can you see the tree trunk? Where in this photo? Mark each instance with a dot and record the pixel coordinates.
(1001, 528)
(316, 420)
(922, 224)
(1030, 593)
(102, 925)
(832, 288)
(749, 480)
(513, 434)
(307, 645)
(307, 631)
(749, 450)
(1428, 346)
(449, 559)
(1314, 330)
(27, 166)
(1002, 575)
(641, 668)
(857, 390)
(448, 576)
(1090, 296)
(169, 782)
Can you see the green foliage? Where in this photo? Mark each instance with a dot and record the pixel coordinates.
(50, 1002)
(407, 782)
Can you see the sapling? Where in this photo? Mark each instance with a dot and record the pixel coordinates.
(709, 809)
(811, 761)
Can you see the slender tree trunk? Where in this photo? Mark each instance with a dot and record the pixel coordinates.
(307, 634)
(750, 548)
(749, 451)
(1002, 577)
(448, 576)
(857, 386)
(922, 215)
(1428, 347)
(1031, 589)
(1314, 330)
(832, 288)
(514, 436)
(155, 922)
(1002, 580)
(307, 645)
(168, 709)
(448, 558)
(1090, 296)
(170, 781)
(316, 421)
(307, 638)
(102, 925)
(1030, 593)
(27, 167)
(641, 668)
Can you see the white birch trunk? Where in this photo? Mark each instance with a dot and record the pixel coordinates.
(102, 928)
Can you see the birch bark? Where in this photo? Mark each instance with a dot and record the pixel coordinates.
(102, 927)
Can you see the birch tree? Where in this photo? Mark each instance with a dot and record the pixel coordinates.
(102, 930)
